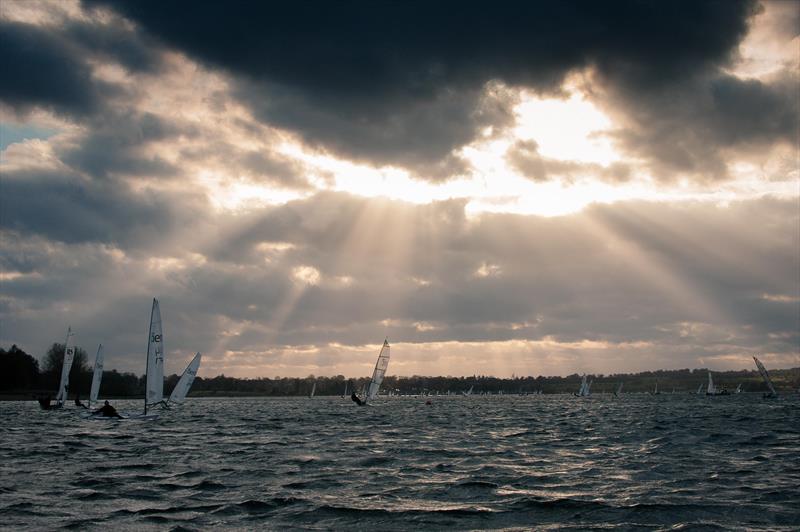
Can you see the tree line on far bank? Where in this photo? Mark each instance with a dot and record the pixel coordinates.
(20, 373)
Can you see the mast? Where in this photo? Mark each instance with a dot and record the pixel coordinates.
(66, 366)
(147, 355)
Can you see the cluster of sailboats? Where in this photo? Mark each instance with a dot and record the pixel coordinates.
(709, 389)
(154, 376)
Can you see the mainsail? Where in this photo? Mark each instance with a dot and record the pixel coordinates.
(69, 356)
(313, 389)
(155, 359)
(765, 376)
(380, 371)
(185, 382)
(711, 389)
(584, 389)
(97, 375)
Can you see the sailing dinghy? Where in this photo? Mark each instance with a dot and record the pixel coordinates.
(181, 389)
(772, 394)
(713, 390)
(66, 367)
(313, 389)
(584, 389)
(97, 376)
(377, 375)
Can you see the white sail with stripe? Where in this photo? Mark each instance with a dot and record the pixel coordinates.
(380, 370)
(181, 389)
(765, 376)
(66, 367)
(97, 376)
(155, 358)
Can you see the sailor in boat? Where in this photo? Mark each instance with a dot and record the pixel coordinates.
(356, 400)
(78, 401)
(107, 411)
(44, 402)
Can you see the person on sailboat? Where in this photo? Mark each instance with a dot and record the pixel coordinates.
(44, 402)
(107, 411)
(78, 401)
(356, 400)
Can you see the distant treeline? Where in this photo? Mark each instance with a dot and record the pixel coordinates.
(20, 373)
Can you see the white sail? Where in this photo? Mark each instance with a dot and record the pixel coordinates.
(69, 356)
(380, 371)
(97, 376)
(155, 358)
(765, 376)
(313, 389)
(185, 382)
(700, 389)
(468, 392)
(583, 391)
(711, 389)
(619, 389)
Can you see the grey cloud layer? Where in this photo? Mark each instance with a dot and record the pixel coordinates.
(401, 83)
(693, 277)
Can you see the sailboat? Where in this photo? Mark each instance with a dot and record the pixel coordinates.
(66, 367)
(772, 394)
(655, 390)
(313, 389)
(97, 376)
(377, 374)
(584, 389)
(468, 392)
(185, 382)
(154, 376)
(618, 391)
(713, 390)
(345, 390)
(738, 388)
(700, 389)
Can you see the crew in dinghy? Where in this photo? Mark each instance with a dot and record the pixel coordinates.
(356, 400)
(107, 411)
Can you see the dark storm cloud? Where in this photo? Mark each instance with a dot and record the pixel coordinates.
(686, 127)
(114, 142)
(40, 69)
(46, 66)
(400, 82)
(64, 207)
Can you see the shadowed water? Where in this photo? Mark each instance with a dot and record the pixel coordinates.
(669, 461)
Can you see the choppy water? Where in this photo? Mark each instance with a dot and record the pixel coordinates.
(669, 461)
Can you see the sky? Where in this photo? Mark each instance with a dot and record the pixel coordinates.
(509, 188)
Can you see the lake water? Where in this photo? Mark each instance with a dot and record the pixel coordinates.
(499, 462)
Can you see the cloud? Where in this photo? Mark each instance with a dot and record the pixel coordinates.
(404, 84)
(40, 69)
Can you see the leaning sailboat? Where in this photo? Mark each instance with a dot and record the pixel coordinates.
(772, 394)
(181, 389)
(66, 367)
(377, 375)
(97, 376)
(712, 389)
(583, 391)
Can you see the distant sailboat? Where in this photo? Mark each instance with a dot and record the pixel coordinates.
(700, 389)
(66, 367)
(345, 389)
(772, 394)
(739, 388)
(618, 391)
(468, 392)
(313, 389)
(713, 390)
(584, 390)
(181, 389)
(655, 390)
(97, 376)
(377, 375)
